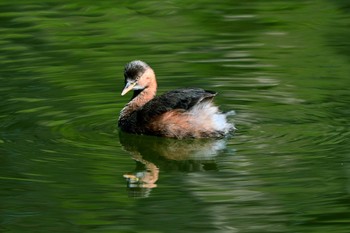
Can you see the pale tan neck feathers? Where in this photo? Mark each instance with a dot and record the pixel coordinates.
(148, 79)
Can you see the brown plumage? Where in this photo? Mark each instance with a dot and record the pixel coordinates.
(181, 113)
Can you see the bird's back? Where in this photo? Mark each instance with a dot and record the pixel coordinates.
(180, 99)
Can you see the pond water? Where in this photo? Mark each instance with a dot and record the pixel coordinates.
(284, 69)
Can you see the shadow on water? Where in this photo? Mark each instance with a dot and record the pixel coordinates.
(154, 154)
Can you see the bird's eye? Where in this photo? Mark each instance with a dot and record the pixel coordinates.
(138, 77)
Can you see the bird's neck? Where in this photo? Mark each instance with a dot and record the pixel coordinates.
(140, 98)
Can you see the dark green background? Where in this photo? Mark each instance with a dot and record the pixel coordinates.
(283, 66)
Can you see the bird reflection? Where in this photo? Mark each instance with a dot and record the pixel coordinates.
(153, 154)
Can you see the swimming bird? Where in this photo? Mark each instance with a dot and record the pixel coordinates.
(180, 113)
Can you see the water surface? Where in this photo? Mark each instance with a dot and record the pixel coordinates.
(284, 69)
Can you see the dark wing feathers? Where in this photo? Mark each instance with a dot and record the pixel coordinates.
(177, 99)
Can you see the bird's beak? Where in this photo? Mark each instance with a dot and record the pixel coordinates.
(128, 87)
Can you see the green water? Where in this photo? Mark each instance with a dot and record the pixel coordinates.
(282, 66)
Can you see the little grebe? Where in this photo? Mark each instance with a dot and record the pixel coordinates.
(181, 113)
